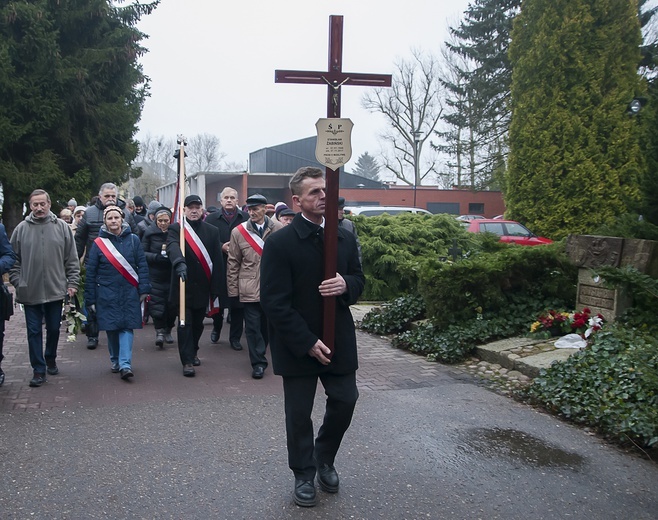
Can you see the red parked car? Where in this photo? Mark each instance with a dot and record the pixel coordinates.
(507, 230)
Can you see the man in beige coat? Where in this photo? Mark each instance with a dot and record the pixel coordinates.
(243, 276)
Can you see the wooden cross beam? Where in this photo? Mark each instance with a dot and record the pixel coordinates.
(334, 78)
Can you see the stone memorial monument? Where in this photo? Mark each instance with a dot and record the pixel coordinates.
(589, 252)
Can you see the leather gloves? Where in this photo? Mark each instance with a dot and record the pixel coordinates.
(181, 271)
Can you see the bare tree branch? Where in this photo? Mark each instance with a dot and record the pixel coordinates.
(413, 108)
(204, 153)
(156, 155)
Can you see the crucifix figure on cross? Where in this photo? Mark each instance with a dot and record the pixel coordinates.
(334, 78)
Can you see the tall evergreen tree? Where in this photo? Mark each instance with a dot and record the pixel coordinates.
(648, 118)
(574, 158)
(478, 90)
(72, 91)
(366, 166)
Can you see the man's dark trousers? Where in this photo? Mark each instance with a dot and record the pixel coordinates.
(236, 327)
(299, 393)
(189, 348)
(51, 313)
(256, 332)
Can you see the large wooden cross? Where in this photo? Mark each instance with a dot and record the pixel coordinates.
(334, 78)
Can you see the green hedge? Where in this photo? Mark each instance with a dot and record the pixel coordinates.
(394, 316)
(485, 282)
(395, 248)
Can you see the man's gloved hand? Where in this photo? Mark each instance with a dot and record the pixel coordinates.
(143, 297)
(92, 308)
(181, 271)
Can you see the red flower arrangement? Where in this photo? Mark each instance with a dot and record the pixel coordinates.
(554, 323)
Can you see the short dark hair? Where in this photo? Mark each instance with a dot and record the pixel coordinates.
(305, 172)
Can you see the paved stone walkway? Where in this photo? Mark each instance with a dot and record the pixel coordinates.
(424, 443)
(85, 379)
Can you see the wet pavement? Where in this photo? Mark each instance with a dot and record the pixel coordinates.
(427, 441)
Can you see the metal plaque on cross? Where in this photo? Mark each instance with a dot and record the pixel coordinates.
(334, 78)
(334, 143)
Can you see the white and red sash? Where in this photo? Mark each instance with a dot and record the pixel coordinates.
(199, 249)
(117, 260)
(252, 238)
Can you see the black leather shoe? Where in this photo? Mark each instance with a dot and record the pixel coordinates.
(38, 380)
(115, 369)
(52, 369)
(258, 372)
(92, 343)
(328, 478)
(196, 362)
(305, 493)
(214, 336)
(235, 345)
(188, 371)
(126, 373)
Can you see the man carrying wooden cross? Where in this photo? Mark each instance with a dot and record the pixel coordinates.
(293, 293)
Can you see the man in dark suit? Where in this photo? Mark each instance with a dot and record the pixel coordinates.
(229, 217)
(293, 289)
(202, 270)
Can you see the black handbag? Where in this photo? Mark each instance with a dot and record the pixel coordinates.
(6, 302)
(92, 324)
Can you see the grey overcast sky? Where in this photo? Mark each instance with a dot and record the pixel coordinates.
(212, 65)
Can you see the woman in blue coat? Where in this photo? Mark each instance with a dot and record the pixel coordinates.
(7, 260)
(117, 283)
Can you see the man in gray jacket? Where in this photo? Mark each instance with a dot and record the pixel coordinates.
(46, 270)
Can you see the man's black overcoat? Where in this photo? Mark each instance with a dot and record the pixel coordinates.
(218, 219)
(291, 272)
(197, 288)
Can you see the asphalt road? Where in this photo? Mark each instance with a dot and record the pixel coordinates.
(425, 443)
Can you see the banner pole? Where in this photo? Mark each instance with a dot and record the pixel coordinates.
(181, 220)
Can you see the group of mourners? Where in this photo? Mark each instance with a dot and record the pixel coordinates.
(266, 274)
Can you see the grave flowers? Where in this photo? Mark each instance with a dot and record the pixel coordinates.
(554, 323)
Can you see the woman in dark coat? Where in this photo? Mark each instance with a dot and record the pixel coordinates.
(117, 282)
(154, 243)
(7, 260)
